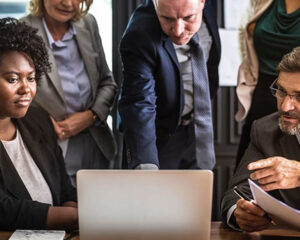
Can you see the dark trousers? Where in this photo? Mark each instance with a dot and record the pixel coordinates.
(263, 103)
(179, 151)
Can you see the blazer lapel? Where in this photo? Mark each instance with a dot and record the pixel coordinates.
(36, 145)
(88, 54)
(168, 45)
(11, 178)
(290, 147)
(53, 75)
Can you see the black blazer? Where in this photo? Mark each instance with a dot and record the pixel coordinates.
(17, 210)
(152, 93)
(267, 140)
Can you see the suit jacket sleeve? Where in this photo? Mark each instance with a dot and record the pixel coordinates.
(107, 87)
(21, 213)
(137, 105)
(240, 178)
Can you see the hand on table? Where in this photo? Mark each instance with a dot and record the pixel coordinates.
(276, 173)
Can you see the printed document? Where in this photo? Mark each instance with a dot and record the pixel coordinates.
(283, 215)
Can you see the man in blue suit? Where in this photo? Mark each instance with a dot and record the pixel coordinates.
(156, 105)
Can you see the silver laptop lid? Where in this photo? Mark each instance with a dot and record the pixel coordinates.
(136, 201)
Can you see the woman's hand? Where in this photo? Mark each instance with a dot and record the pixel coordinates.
(73, 124)
(65, 217)
(58, 130)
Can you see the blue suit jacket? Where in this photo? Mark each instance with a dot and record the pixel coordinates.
(152, 97)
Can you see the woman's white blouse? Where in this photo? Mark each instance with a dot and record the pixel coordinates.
(27, 169)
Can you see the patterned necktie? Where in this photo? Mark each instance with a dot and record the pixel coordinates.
(205, 153)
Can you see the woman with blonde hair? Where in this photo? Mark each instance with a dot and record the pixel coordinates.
(80, 90)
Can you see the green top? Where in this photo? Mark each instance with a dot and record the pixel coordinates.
(276, 33)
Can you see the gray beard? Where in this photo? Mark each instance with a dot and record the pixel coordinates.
(288, 129)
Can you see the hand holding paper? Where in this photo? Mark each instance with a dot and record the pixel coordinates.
(283, 215)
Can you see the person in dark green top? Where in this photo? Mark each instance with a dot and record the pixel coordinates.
(273, 31)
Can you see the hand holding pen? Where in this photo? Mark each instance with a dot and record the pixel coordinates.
(248, 215)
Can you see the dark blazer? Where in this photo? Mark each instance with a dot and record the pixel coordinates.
(152, 97)
(102, 82)
(17, 210)
(267, 140)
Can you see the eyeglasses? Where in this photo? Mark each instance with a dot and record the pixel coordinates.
(281, 94)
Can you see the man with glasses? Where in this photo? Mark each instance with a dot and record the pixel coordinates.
(272, 158)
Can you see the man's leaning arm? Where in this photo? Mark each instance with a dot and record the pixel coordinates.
(137, 105)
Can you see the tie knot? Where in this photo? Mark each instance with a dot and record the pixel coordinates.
(194, 40)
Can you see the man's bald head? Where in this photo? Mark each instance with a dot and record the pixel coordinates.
(179, 19)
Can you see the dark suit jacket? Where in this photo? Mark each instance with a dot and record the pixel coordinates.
(152, 95)
(267, 140)
(17, 210)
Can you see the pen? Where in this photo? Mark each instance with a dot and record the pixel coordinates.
(242, 195)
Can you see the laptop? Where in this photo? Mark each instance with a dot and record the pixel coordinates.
(123, 203)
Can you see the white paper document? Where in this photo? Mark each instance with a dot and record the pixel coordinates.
(37, 235)
(283, 215)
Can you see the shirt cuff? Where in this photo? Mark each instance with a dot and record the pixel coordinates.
(230, 217)
(147, 166)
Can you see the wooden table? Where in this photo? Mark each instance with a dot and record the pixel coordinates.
(218, 232)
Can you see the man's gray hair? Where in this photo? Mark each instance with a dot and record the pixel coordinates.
(290, 62)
